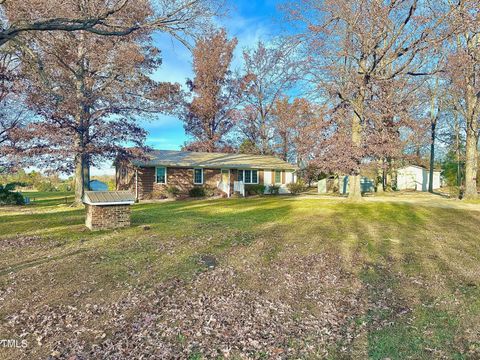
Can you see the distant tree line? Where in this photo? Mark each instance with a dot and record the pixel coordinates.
(35, 180)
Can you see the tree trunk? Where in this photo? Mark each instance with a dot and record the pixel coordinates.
(285, 147)
(355, 190)
(390, 175)
(264, 146)
(336, 184)
(354, 187)
(80, 178)
(394, 177)
(471, 150)
(380, 177)
(389, 180)
(433, 126)
(82, 161)
(86, 173)
(471, 162)
(432, 157)
(458, 151)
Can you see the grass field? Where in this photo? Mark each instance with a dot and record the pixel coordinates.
(273, 277)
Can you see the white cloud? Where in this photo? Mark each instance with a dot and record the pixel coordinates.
(248, 31)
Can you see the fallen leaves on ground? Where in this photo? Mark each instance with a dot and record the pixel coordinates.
(300, 306)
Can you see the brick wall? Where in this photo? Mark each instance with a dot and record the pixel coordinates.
(179, 177)
(182, 178)
(103, 217)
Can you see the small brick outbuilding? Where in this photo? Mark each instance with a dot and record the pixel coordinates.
(108, 209)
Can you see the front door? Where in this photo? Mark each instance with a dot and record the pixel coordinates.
(226, 181)
(225, 176)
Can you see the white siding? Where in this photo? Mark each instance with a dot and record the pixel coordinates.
(267, 177)
(416, 178)
(322, 186)
(288, 177)
(437, 183)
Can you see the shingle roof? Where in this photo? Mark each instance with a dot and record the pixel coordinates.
(108, 198)
(213, 160)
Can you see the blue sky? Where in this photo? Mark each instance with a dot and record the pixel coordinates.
(248, 20)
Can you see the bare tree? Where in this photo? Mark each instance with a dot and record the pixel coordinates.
(356, 48)
(290, 121)
(88, 83)
(463, 70)
(88, 96)
(270, 71)
(209, 116)
(12, 111)
(180, 18)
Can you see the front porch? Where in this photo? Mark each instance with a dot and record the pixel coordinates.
(233, 181)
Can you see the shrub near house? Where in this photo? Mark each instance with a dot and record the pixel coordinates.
(297, 188)
(273, 189)
(197, 192)
(173, 191)
(255, 189)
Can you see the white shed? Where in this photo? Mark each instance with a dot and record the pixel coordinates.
(415, 177)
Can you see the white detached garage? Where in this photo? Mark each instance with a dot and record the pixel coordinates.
(415, 177)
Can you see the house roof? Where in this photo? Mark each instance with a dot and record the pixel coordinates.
(108, 198)
(419, 167)
(213, 160)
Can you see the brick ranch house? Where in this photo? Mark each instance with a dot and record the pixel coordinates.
(225, 173)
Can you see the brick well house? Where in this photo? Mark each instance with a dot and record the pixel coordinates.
(107, 209)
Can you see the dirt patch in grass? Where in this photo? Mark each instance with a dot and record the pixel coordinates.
(20, 241)
(301, 306)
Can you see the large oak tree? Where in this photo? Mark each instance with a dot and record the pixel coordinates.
(88, 96)
(88, 64)
(210, 115)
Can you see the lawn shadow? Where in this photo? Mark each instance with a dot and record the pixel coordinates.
(36, 222)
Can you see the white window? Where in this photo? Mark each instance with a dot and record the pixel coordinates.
(278, 176)
(198, 176)
(248, 176)
(254, 177)
(161, 175)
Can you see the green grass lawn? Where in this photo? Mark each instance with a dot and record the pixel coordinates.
(293, 278)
